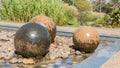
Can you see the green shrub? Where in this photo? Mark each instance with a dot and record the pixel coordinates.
(100, 22)
(107, 8)
(115, 15)
(23, 11)
(107, 19)
(82, 5)
(84, 9)
(70, 2)
(86, 18)
(113, 18)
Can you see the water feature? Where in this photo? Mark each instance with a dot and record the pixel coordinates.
(69, 57)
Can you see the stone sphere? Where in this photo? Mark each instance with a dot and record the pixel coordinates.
(32, 40)
(46, 22)
(86, 39)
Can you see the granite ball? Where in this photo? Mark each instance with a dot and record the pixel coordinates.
(32, 40)
(46, 22)
(86, 39)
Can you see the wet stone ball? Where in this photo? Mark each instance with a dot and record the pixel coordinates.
(32, 40)
(86, 39)
(47, 23)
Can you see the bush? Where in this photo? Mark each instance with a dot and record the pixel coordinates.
(99, 22)
(70, 2)
(22, 11)
(86, 17)
(109, 20)
(84, 9)
(82, 5)
(107, 8)
(113, 18)
(115, 15)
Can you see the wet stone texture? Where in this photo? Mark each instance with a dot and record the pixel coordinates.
(86, 39)
(58, 55)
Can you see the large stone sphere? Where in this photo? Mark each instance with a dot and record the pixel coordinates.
(32, 40)
(46, 22)
(86, 39)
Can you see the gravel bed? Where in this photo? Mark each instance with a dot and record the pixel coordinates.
(61, 53)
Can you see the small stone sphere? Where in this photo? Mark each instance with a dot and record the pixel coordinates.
(46, 22)
(32, 40)
(86, 39)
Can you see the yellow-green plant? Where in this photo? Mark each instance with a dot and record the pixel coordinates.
(24, 10)
(84, 9)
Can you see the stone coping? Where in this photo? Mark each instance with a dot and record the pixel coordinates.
(111, 33)
(108, 31)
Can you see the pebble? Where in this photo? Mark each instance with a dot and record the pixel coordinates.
(13, 60)
(20, 60)
(77, 52)
(28, 61)
(52, 44)
(2, 55)
(50, 64)
(43, 66)
(7, 57)
(52, 57)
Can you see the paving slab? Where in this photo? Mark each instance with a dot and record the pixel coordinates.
(113, 62)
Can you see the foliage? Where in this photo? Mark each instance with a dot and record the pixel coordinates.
(82, 5)
(22, 11)
(109, 20)
(102, 6)
(70, 2)
(84, 9)
(107, 8)
(87, 17)
(114, 18)
(100, 22)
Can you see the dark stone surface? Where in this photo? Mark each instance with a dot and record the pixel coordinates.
(48, 23)
(31, 40)
(100, 57)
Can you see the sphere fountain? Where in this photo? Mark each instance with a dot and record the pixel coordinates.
(47, 23)
(86, 39)
(31, 40)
